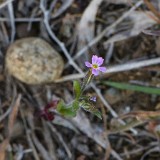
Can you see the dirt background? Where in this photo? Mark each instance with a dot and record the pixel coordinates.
(126, 34)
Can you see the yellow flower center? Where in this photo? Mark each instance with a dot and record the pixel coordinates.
(95, 66)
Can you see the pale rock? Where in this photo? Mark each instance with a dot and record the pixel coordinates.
(33, 61)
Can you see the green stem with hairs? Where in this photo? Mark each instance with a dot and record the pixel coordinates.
(87, 79)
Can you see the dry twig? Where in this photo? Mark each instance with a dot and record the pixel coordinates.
(54, 130)
(117, 68)
(28, 135)
(12, 21)
(5, 3)
(11, 122)
(49, 141)
(36, 141)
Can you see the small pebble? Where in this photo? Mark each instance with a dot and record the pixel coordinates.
(33, 61)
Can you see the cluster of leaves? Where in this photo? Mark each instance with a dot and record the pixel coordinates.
(80, 101)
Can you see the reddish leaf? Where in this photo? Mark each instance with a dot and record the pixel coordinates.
(47, 113)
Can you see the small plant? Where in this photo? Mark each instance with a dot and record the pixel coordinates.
(47, 112)
(80, 100)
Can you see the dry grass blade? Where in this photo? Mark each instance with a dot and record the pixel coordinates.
(40, 147)
(86, 25)
(117, 1)
(30, 19)
(139, 117)
(5, 3)
(64, 6)
(49, 141)
(30, 142)
(12, 20)
(155, 149)
(5, 114)
(12, 119)
(13, 114)
(3, 147)
(4, 33)
(152, 8)
(70, 77)
(143, 115)
(133, 65)
(116, 68)
(54, 130)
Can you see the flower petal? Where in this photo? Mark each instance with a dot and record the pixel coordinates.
(88, 64)
(95, 72)
(94, 98)
(102, 69)
(94, 59)
(100, 61)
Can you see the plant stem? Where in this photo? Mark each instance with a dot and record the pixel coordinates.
(87, 79)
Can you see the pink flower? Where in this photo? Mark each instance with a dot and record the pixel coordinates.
(95, 66)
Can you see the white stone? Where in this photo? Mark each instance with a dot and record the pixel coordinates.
(33, 61)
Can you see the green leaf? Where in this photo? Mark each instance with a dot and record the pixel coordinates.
(89, 107)
(65, 110)
(98, 114)
(77, 89)
(75, 105)
(144, 89)
(60, 105)
(68, 112)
